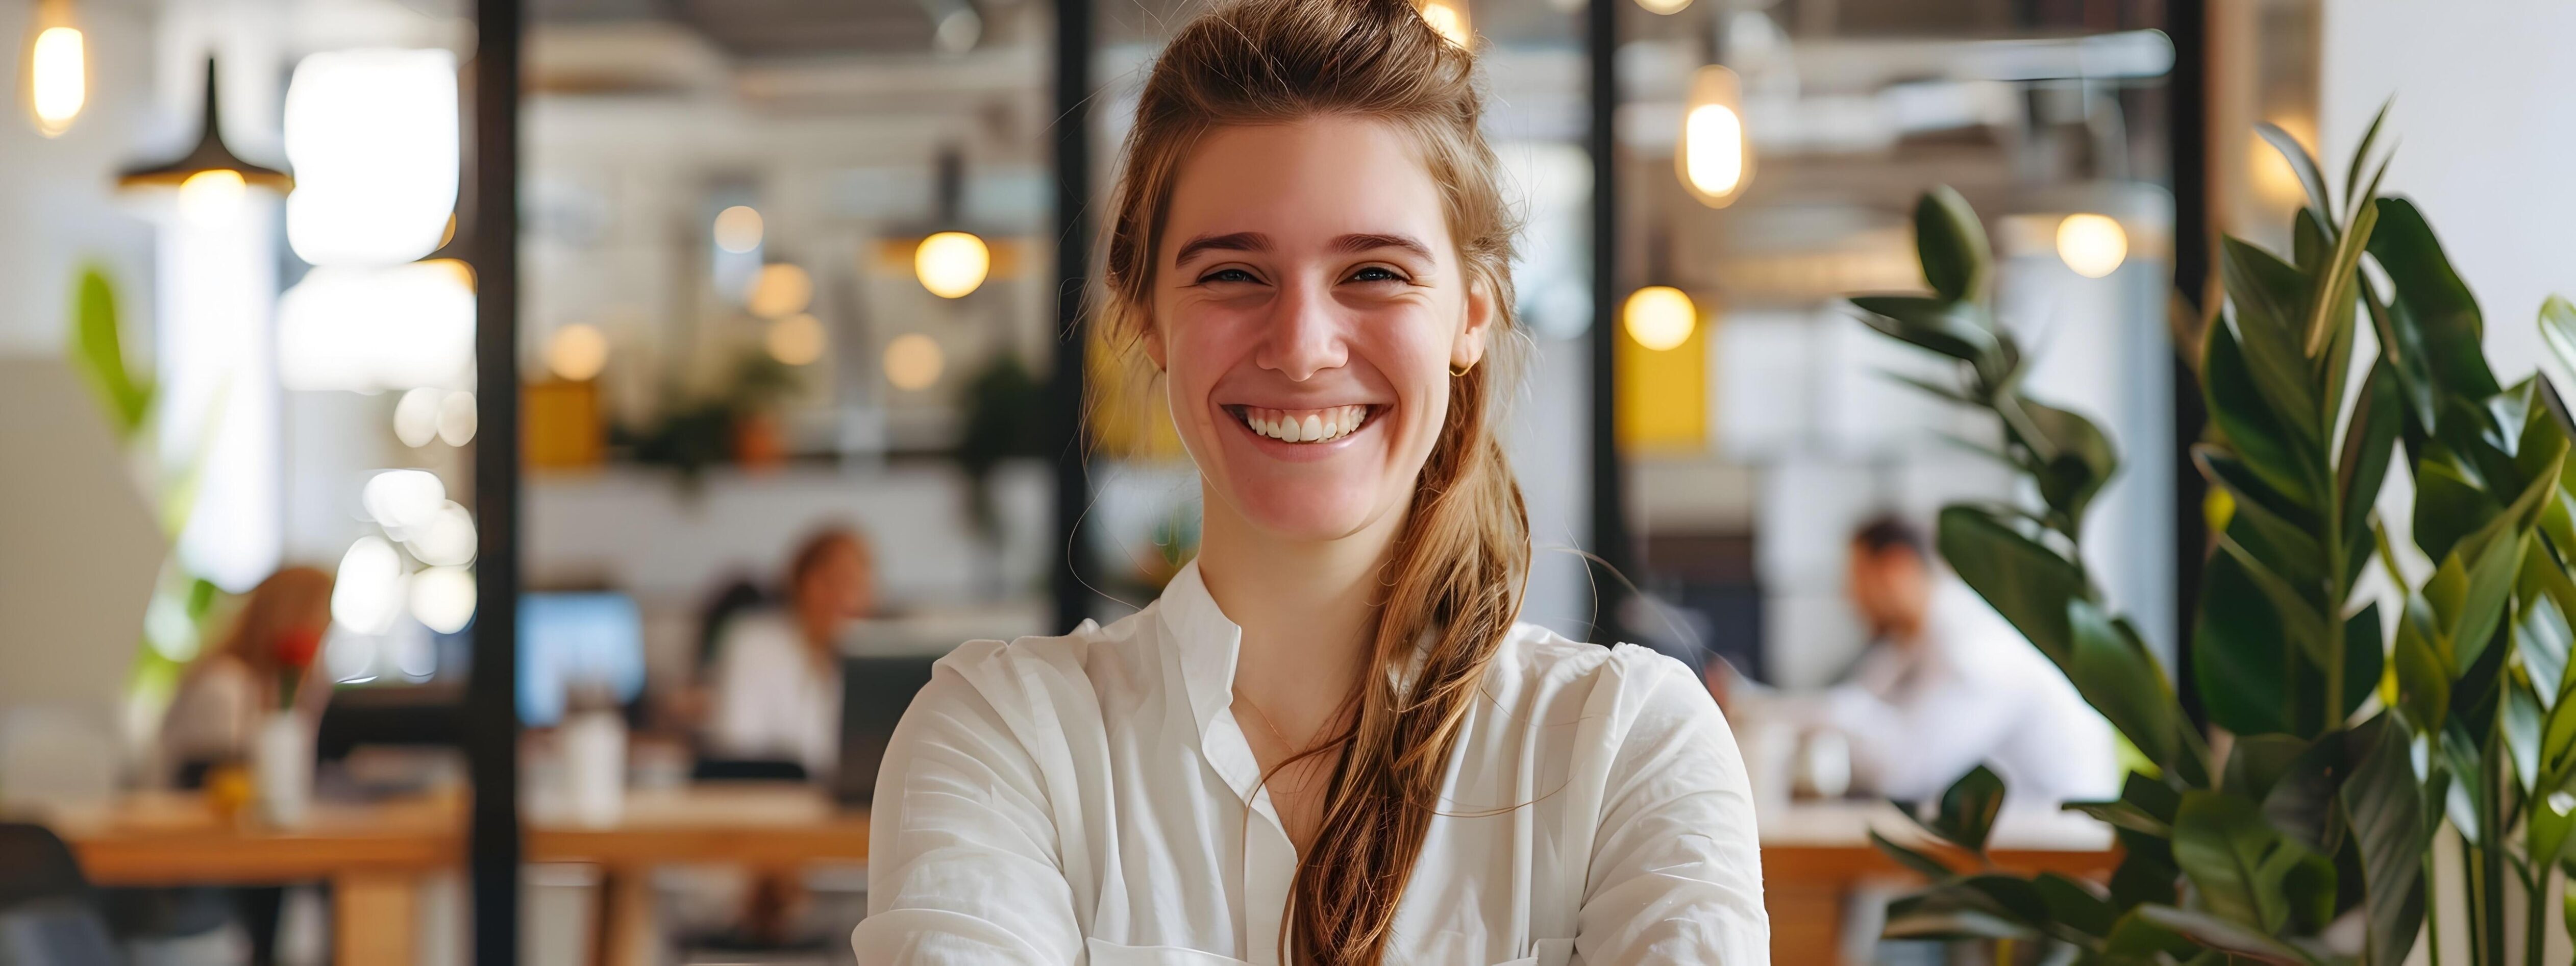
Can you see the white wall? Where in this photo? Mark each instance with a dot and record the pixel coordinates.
(2486, 141)
(57, 208)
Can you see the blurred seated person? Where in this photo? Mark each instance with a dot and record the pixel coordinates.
(777, 677)
(1948, 684)
(232, 687)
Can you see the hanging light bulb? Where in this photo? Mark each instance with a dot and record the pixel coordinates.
(57, 78)
(1714, 157)
(1449, 17)
(1659, 317)
(1665, 7)
(952, 264)
(2093, 245)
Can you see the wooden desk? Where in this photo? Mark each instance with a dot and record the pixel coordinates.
(1816, 855)
(764, 827)
(373, 855)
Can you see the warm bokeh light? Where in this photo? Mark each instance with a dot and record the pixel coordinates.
(1714, 157)
(400, 500)
(1449, 17)
(447, 540)
(212, 198)
(1666, 7)
(781, 290)
(796, 340)
(738, 229)
(913, 361)
(368, 593)
(442, 598)
(457, 419)
(577, 352)
(373, 136)
(57, 79)
(2275, 182)
(416, 416)
(1659, 317)
(2093, 245)
(375, 329)
(952, 263)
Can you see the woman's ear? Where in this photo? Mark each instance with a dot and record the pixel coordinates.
(1152, 336)
(1469, 347)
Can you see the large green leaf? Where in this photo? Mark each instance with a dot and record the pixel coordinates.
(2433, 312)
(2238, 653)
(2081, 458)
(2448, 506)
(2558, 328)
(2074, 905)
(2302, 162)
(2542, 634)
(98, 354)
(1960, 330)
(1952, 245)
(2226, 936)
(2246, 416)
(2330, 303)
(2365, 657)
(2147, 871)
(2115, 674)
(2268, 294)
(2386, 812)
(2237, 861)
(2294, 604)
(2369, 444)
(2521, 721)
(1929, 867)
(2423, 673)
(2300, 799)
(2029, 584)
(1968, 808)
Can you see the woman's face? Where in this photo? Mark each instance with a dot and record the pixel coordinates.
(1308, 304)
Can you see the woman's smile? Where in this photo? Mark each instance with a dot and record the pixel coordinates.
(1311, 431)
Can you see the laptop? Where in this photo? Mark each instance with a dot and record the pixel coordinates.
(875, 691)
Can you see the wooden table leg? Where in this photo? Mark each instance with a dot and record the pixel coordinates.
(375, 918)
(1806, 923)
(626, 928)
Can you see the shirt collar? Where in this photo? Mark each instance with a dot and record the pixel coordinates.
(1205, 641)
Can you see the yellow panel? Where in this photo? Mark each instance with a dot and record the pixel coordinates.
(1663, 395)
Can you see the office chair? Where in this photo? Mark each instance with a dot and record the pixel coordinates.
(49, 914)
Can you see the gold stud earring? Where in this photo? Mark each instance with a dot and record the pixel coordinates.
(1460, 372)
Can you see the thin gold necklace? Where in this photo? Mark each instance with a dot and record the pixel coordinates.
(1266, 722)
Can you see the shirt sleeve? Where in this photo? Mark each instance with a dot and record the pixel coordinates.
(1676, 867)
(1912, 747)
(962, 850)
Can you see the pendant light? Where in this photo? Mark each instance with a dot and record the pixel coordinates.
(952, 263)
(55, 84)
(211, 179)
(1714, 156)
(1449, 17)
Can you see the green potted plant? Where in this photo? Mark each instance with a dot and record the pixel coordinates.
(2323, 805)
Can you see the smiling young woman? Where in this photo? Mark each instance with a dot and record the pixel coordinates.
(1328, 742)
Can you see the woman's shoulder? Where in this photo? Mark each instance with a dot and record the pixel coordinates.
(1621, 685)
(1026, 683)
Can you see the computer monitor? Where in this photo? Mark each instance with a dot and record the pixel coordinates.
(570, 638)
(875, 691)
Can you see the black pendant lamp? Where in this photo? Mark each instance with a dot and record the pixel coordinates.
(210, 154)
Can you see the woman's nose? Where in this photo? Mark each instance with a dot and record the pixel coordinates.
(1305, 337)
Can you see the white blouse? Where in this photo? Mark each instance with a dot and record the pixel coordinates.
(1091, 798)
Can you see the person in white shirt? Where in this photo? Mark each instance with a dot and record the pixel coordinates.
(1328, 741)
(1951, 685)
(777, 693)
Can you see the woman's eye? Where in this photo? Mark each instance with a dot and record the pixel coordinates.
(1376, 273)
(1227, 275)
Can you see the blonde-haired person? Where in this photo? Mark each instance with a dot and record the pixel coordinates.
(234, 685)
(1328, 742)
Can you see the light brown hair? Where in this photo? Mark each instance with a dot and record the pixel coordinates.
(1453, 581)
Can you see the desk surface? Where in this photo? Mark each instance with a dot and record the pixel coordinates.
(165, 838)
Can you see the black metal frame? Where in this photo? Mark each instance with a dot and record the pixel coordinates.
(1071, 581)
(1611, 550)
(491, 729)
(2187, 94)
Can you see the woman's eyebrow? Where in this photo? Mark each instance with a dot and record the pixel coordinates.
(1355, 244)
(1241, 241)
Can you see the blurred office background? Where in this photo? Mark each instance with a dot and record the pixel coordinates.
(789, 267)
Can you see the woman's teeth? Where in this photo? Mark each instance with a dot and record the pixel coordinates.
(1305, 425)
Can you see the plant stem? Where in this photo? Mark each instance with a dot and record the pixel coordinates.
(2433, 899)
(2535, 914)
(2491, 830)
